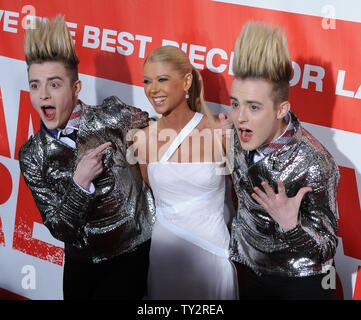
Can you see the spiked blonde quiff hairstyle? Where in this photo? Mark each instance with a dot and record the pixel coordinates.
(51, 41)
(261, 52)
(180, 62)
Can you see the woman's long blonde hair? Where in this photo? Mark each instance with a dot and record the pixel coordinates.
(180, 62)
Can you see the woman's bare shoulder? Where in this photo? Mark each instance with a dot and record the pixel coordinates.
(207, 123)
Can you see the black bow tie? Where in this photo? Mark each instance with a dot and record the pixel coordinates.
(71, 135)
(249, 157)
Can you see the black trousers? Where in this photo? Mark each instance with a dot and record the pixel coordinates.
(267, 287)
(121, 278)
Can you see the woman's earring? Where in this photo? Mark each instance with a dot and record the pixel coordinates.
(187, 95)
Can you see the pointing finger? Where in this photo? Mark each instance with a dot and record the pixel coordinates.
(98, 150)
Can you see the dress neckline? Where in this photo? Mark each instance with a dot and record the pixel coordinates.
(187, 129)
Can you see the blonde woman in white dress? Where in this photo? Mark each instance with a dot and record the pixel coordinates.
(181, 162)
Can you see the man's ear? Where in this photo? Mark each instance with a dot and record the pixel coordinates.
(77, 87)
(283, 109)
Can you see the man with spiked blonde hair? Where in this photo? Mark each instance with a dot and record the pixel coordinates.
(87, 193)
(284, 232)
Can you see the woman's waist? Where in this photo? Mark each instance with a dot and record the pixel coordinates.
(210, 234)
(196, 215)
(189, 198)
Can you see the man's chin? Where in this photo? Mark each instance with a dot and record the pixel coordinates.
(51, 125)
(248, 147)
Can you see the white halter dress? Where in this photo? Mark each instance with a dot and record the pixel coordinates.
(189, 247)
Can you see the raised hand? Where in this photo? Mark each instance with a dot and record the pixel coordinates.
(90, 166)
(223, 122)
(282, 209)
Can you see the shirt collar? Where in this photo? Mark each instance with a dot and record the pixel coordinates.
(74, 120)
(286, 135)
(268, 148)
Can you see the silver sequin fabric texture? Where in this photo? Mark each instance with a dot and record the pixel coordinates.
(256, 239)
(119, 215)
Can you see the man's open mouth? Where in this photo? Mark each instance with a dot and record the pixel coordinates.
(49, 112)
(245, 134)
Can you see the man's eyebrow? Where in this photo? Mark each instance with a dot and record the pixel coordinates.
(48, 79)
(55, 78)
(253, 101)
(247, 101)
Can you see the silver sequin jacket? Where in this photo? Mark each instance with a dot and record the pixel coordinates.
(256, 239)
(119, 215)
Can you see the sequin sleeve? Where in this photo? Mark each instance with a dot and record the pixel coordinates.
(131, 117)
(316, 232)
(257, 240)
(64, 214)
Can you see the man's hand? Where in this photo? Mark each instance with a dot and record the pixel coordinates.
(90, 166)
(224, 122)
(282, 209)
